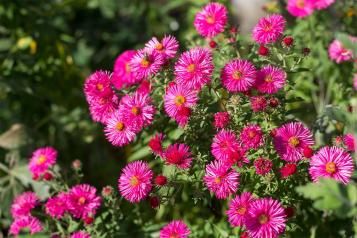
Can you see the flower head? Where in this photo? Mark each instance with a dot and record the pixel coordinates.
(155, 144)
(25, 222)
(252, 136)
(238, 209)
(350, 142)
(97, 85)
(338, 52)
(270, 79)
(57, 206)
(135, 181)
(178, 155)
(211, 20)
(80, 234)
(322, 4)
(258, 103)
(122, 74)
(300, 8)
(221, 120)
(269, 29)
(167, 47)
(288, 170)
(262, 166)
(42, 159)
(145, 64)
(23, 204)
(175, 229)
(102, 107)
(331, 162)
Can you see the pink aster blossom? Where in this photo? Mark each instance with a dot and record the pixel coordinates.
(25, 222)
(101, 108)
(194, 68)
(135, 181)
(155, 144)
(211, 20)
(178, 155)
(175, 229)
(57, 206)
(221, 120)
(80, 234)
(262, 166)
(350, 142)
(331, 162)
(221, 179)
(167, 47)
(226, 147)
(122, 74)
(265, 218)
(322, 4)
(269, 29)
(238, 209)
(83, 201)
(258, 103)
(42, 159)
(252, 136)
(145, 64)
(238, 76)
(177, 103)
(270, 79)
(144, 87)
(23, 204)
(291, 139)
(338, 52)
(97, 85)
(300, 8)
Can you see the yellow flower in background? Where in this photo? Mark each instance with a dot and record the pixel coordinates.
(271, 7)
(27, 42)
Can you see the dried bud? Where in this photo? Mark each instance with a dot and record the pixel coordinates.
(288, 41)
(77, 164)
(154, 201)
(107, 191)
(263, 51)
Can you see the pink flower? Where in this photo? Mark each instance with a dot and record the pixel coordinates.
(291, 139)
(177, 103)
(42, 159)
(194, 68)
(262, 166)
(57, 206)
(145, 64)
(322, 4)
(269, 29)
(155, 144)
(288, 170)
(82, 201)
(258, 103)
(123, 75)
(101, 108)
(331, 162)
(238, 209)
(252, 136)
(270, 79)
(338, 52)
(25, 222)
(178, 155)
(135, 181)
(23, 204)
(300, 8)
(238, 76)
(80, 234)
(167, 47)
(175, 229)
(211, 20)
(97, 85)
(221, 179)
(144, 87)
(120, 131)
(350, 142)
(221, 120)
(265, 218)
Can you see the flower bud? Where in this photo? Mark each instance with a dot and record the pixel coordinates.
(160, 180)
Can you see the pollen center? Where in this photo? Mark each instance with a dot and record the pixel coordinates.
(294, 141)
(191, 68)
(263, 219)
(119, 126)
(251, 134)
(145, 63)
(41, 159)
(268, 27)
(135, 110)
(134, 181)
(217, 180)
(81, 200)
(268, 79)
(330, 167)
(300, 3)
(174, 235)
(159, 47)
(100, 87)
(180, 100)
(210, 19)
(237, 75)
(241, 210)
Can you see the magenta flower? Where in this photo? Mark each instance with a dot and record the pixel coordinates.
(97, 85)
(269, 29)
(155, 144)
(331, 162)
(23, 204)
(221, 120)
(145, 64)
(322, 4)
(291, 139)
(178, 155)
(350, 142)
(262, 166)
(82, 201)
(42, 159)
(25, 222)
(238, 76)
(194, 68)
(270, 79)
(252, 136)
(122, 74)
(225, 147)
(135, 181)
(101, 108)
(57, 206)
(265, 218)
(338, 52)
(221, 179)
(80, 234)
(211, 20)
(238, 209)
(300, 8)
(175, 229)
(167, 47)
(258, 103)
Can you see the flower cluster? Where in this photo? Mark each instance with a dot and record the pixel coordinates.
(304, 8)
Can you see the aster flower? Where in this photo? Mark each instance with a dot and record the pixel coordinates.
(23, 204)
(269, 29)
(97, 85)
(144, 87)
(270, 79)
(177, 103)
(122, 74)
(101, 108)
(194, 68)
(25, 222)
(238, 209)
(145, 64)
(135, 181)
(211, 20)
(252, 136)
(178, 155)
(300, 8)
(349, 141)
(287, 170)
(226, 148)
(258, 103)
(262, 166)
(338, 52)
(120, 131)
(221, 120)
(175, 229)
(290, 141)
(238, 76)
(83, 201)
(322, 4)
(42, 159)
(265, 218)
(155, 144)
(221, 179)
(331, 162)
(57, 206)
(80, 234)
(167, 47)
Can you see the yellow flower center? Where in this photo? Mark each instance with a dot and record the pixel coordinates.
(191, 68)
(300, 3)
(135, 111)
(100, 87)
(330, 167)
(81, 200)
(251, 134)
(145, 63)
(120, 126)
(294, 141)
(268, 79)
(263, 219)
(237, 75)
(134, 181)
(180, 100)
(241, 210)
(41, 159)
(217, 180)
(159, 47)
(268, 27)
(210, 19)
